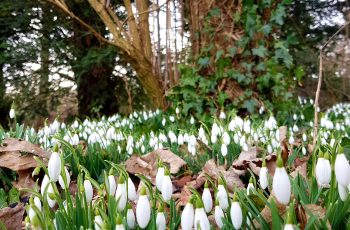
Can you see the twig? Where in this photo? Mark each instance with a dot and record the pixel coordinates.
(144, 12)
(320, 82)
(63, 7)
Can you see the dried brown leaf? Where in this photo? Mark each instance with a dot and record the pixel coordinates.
(16, 162)
(17, 154)
(214, 171)
(12, 217)
(147, 164)
(24, 180)
(18, 145)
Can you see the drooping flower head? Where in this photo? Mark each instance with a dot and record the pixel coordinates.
(281, 184)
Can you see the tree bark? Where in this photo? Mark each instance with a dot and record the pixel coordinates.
(134, 44)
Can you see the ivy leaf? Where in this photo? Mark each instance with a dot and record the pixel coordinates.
(260, 51)
(203, 62)
(266, 29)
(219, 53)
(278, 15)
(3, 199)
(232, 51)
(250, 105)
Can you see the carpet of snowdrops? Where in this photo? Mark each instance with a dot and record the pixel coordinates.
(92, 154)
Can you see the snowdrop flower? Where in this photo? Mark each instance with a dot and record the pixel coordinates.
(222, 115)
(167, 186)
(218, 214)
(33, 216)
(303, 150)
(192, 120)
(131, 190)
(98, 222)
(160, 176)
(121, 194)
(342, 168)
(61, 181)
(250, 186)
(343, 192)
(180, 139)
(223, 150)
(187, 216)
(332, 142)
(288, 227)
(236, 213)
(88, 191)
(304, 137)
(163, 122)
(323, 170)
(12, 113)
(177, 110)
(112, 184)
(130, 217)
(44, 184)
(271, 123)
(281, 183)
(54, 166)
(206, 198)
(160, 219)
(264, 183)
(295, 128)
(201, 132)
(222, 196)
(246, 126)
(213, 139)
(226, 138)
(37, 202)
(143, 209)
(119, 223)
(75, 139)
(200, 217)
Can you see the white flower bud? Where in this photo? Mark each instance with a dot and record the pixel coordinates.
(236, 215)
(88, 191)
(207, 200)
(54, 166)
(281, 183)
(143, 209)
(342, 170)
(219, 215)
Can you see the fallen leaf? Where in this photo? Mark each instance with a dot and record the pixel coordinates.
(266, 212)
(245, 157)
(256, 163)
(18, 145)
(284, 143)
(12, 217)
(17, 154)
(175, 162)
(24, 180)
(16, 162)
(317, 211)
(231, 175)
(147, 164)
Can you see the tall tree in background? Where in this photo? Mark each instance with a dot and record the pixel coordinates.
(132, 38)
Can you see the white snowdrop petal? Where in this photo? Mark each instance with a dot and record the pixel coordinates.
(143, 211)
(236, 215)
(281, 186)
(207, 200)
